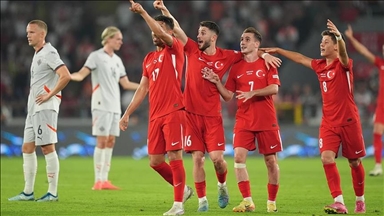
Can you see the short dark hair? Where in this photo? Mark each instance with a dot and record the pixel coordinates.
(333, 37)
(211, 26)
(167, 20)
(255, 33)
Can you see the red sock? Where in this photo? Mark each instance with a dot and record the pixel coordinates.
(377, 146)
(179, 179)
(200, 189)
(221, 178)
(333, 179)
(245, 188)
(165, 171)
(272, 191)
(358, 176)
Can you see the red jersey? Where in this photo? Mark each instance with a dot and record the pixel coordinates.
(336, 84)
(379, 62)
(201, 97)
(257, 113)
(164, 71)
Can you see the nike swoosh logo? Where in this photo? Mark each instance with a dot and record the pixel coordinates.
(240, 76)
(220, 144)
(177, 184)
(272, 147)
(146, 66)
(174, 143)
(358, 152)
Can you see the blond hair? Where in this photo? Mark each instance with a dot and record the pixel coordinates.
(41, 24)
(108, 32)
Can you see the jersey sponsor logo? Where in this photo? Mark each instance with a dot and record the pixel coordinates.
(260, 74)
(275, 76)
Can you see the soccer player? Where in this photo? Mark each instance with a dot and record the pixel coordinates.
(162, 73)
(107, 72)
(49, 76)
(340, 123)
(255, 117)
(378, 126)
(204, 125)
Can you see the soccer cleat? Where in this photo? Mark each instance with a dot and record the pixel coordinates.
(175, 210)
(48, 197)
(336, 208)
(98, 186)
(378, 170)
(244, 206)
(271, 207)
(203, 206)
(223, 196)
(360, 207)
(107, 185)
(188, 194)
(22, 197)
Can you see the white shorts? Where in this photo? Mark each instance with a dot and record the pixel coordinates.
(41, 128)
(105, 123)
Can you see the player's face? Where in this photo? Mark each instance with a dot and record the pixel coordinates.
(205, 38)
(327, 47)
(116, 41)
(248, 43)
(35, 34)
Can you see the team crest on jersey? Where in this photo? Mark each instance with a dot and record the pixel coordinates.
(219, 65)
(328, 75)
(39, 62)
(260, 74)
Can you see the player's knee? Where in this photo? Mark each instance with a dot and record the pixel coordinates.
(46, 149)
(354, 162)
(28, 148)
(240, 166)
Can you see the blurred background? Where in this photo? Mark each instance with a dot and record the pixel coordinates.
(74, 28)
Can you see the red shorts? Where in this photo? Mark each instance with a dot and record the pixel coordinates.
(350, 137)
(204, 133)
(166, 133)
(379, 115)
(269, 142)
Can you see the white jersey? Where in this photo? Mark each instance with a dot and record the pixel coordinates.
(106, 73)
(45, 62)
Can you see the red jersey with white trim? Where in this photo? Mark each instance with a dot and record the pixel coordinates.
(201, 97)
(164, 71)
(379, 62)
(336, 84)
(257, 113)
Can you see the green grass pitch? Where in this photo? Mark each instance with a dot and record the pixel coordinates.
(303, 188)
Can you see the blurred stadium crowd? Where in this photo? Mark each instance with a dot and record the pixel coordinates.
(74, 28)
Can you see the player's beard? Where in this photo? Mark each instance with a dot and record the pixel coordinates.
(205, 45)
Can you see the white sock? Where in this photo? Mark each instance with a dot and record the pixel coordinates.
(271, 202)
(107, 164)
(249, 199)
(53, 168)
(30, 169)
(221, 184)
(339, 199)
(185, 189)
(360, 198)
(202, 199)
(98, 159)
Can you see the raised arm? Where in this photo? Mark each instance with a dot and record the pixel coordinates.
(153, 24)
(293, 56)
(359, 46)
(269, 59)
(79, 76)
(343, 55)
(178, 31)
(137, 99)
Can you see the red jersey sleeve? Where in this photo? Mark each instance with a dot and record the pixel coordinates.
(144, 66)
(231, 81)
(191, 46)
(379, 62)
(273, 76)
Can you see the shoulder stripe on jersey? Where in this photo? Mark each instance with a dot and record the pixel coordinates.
(48, 90)
(96, 87)
(59, 67)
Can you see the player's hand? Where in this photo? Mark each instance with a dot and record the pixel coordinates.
(270, 50)
(159, 5)
(271, 60)
(136, 7)
(42, 98)
(209, 75)
(332, 28)
(349, 32)
(123, 124)
(244, 95)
